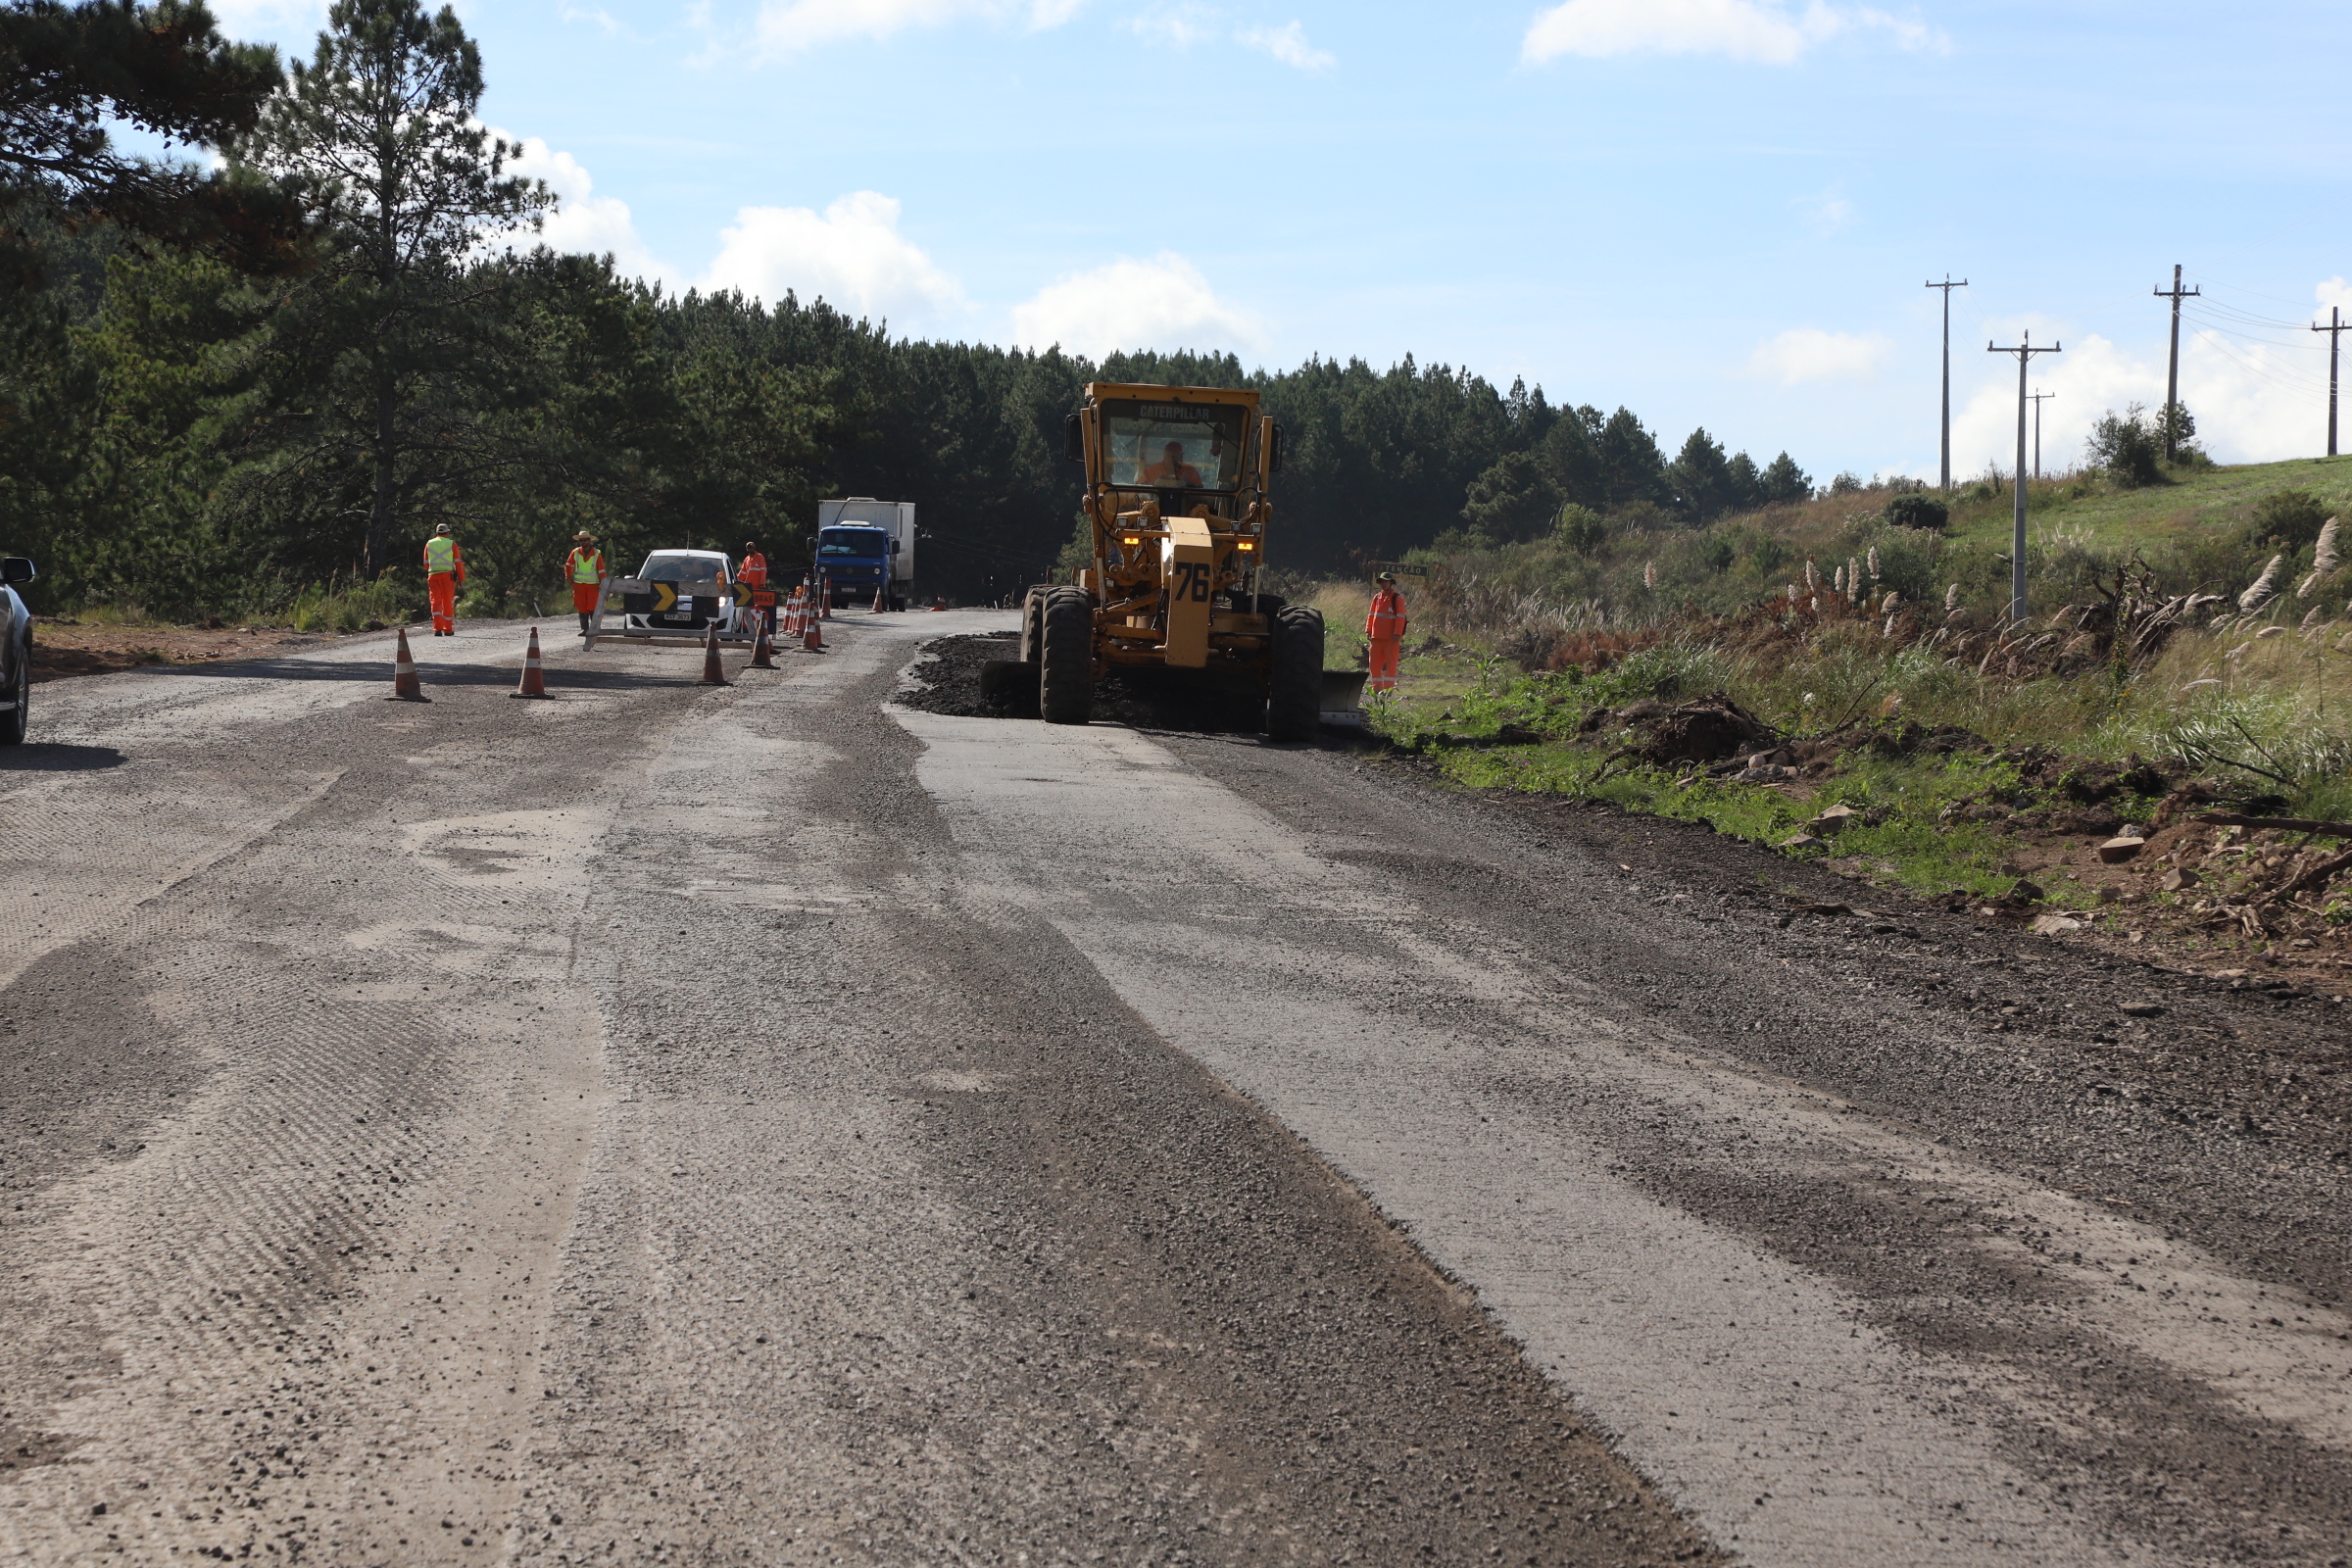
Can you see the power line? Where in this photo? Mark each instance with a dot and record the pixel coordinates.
(2024, 352)
(1948, 285)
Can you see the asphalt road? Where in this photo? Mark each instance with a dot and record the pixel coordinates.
(773, 1124)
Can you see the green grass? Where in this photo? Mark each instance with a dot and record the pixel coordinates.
(2198, 502)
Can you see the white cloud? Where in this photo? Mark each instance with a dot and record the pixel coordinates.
(1188, 26)
(1808, 354)
(1759, 30)
(584, 221)
(851, 256)
(1828, 213)
(1163, 303)
(1287, 44)
(243, 19)
(787, 26)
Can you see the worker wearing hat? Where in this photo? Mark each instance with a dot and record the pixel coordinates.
(444, 574)
(584, 567)
(1384, 628)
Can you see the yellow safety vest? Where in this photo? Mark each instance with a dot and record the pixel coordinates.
(587, 565)
(440, 553)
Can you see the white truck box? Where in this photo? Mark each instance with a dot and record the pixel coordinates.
(896, 516)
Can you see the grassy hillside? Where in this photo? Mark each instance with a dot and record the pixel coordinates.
(1962, 741)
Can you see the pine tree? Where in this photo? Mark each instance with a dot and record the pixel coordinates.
(397, 345)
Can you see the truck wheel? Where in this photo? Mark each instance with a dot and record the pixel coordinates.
(1065, 691)
(1033, 625)
(1295, 683)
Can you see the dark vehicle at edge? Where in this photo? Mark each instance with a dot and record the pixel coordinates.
(15, 650)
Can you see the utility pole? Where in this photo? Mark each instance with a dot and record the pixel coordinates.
(2024, 352)
(1948, 285)
(2171, 379)
(2335, 327)
(2040, 398)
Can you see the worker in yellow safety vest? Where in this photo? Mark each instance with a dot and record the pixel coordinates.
(585, 568)
(1384, 628)
(444, 574)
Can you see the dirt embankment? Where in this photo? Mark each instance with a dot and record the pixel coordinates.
(63, 647)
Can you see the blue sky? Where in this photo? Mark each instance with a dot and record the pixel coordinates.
(1715, 212)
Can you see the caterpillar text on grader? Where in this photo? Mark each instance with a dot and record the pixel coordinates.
(1177, 481)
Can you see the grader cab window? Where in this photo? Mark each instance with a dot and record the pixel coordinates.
(1174, 445)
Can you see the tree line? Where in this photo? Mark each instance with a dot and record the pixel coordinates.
(224, 385)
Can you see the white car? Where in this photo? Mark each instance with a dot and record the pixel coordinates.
(695, 613)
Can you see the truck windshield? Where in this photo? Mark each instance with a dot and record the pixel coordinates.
(1174, 445)
(853, 542)
(683, 569)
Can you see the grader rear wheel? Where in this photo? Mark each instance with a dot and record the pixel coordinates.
(1295, 684)
(1066, 681)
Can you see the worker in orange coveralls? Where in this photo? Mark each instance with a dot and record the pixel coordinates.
(585, 568)
(751, 578)
(444, 574)
(1385, 626)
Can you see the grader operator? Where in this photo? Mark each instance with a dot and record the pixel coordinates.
(1177, 500)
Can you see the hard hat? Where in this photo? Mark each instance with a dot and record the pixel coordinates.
(440, 527)
(583, 537)
(1388, 576)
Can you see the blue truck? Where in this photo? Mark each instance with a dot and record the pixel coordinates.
(864, 544)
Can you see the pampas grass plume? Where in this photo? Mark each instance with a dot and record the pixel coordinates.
(2264, 588)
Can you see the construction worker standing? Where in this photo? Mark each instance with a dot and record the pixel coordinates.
(444, 574)
(1385, 626)
(585, 568)
(751, 578)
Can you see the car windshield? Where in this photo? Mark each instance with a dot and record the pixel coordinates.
(1174, 445)
(683, 569)
(853, 542)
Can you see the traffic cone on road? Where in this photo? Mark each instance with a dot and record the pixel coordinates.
(881, 599)
(939, 604)
(406, 687)
(813, 639)
(760, 649)
(825, 597)
(712, 675)
(534, 676)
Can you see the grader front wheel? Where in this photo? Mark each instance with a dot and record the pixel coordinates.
(1295, 684)
(1066, 679)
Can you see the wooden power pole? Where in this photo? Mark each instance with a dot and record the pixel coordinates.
(1948, 285)
(2334, 329)
(2172, 379)
(2040, 398)
(2024, 352)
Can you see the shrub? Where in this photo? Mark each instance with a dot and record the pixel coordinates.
(1581, 529)
(1916, 511)
(2128, 447)
(2292, 518)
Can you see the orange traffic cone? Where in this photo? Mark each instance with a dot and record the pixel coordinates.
(712, 675)
(825, 597)
(881, 598)
(534, 676)
(813, 639)
(939, 604)
(760, 649)
(406, 687)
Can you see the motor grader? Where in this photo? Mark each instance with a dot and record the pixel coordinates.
(1177, 481)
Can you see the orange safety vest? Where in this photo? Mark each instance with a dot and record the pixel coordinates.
(1385, 622)
(587, 565)
(754, 574)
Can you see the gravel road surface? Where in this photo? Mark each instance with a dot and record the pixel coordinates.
(782, 1124)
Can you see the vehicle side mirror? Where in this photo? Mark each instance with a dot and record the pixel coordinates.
(15, 569)
(1073, 439)
(894, 546)
(1274, 452)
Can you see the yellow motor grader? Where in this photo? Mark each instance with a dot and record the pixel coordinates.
(1176, 493)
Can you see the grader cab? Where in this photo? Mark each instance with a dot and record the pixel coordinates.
(1177, 500)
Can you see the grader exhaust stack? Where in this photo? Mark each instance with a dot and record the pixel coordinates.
(1178, 482)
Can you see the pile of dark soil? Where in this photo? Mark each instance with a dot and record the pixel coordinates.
(1170, 699)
